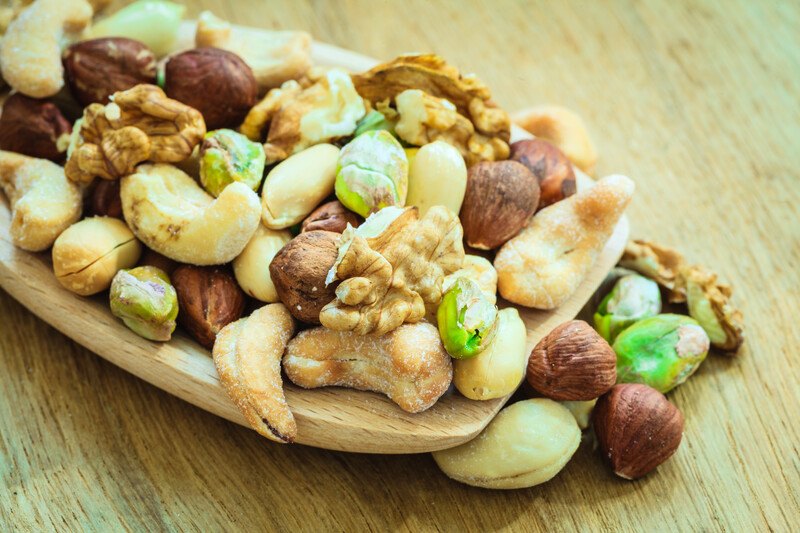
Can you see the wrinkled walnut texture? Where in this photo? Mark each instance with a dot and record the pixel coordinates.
(140, 124)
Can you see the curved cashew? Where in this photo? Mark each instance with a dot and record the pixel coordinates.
(409, 364)
(169, 212)
(247, 354)
(43, 201)
(31, 54)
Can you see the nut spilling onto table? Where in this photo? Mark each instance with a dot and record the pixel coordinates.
(633, 298)
(662, 351)
(572, 362)
(526, 444)
(637, 429)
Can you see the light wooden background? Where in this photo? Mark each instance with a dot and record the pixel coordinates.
(698, 101)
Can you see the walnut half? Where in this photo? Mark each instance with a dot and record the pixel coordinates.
(140, 124)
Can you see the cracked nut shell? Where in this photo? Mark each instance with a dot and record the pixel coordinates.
(98, 68)
(34, 127)
(208, 300)
(550, 166)
(215, 82)
(299, 271)
(501, 198)
(573, 362)
(637, 429)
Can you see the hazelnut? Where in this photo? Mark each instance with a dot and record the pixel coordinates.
(501, 197)
(155, 259)
(98, 68)
(637, 429)
(331, 216)
(562, 127)
(215, 82)
(550, 166)
(208, 300)
(299, 271)
(34, 127)
(105, 200)
(573, 362)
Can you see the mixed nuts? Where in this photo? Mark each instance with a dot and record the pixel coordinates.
(374, 184)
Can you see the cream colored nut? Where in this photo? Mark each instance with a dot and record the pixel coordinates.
(43, 201)
(88, 254)
(437, 176)
(297, 185)
(170, 213)
(582, 411)
(526, 444)
(251, 267)
(478, 269)
(498, 370)
(30, 57)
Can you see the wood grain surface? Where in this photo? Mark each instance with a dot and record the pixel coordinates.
(696, 101)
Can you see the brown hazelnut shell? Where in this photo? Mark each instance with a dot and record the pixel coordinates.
(98, 68)
(34, 127)
(637, 429)
(216, 82)
(500, 199)
(208, 300)
(299, 270)
(573, 362)
(330, 216)
(550, 166)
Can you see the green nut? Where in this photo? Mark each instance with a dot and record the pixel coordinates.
(145, 301)
(372, 173)
(372, 121)
(227, 156)
(633, 298)
(467, 319)
(661, 351)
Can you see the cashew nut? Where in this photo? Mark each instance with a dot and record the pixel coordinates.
(247, 354)
(171, 214)
(30, 57)
(409, 364)
(43, 201)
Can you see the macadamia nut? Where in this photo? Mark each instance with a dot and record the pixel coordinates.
(437, 176)
(526, 444)
(251, 267)
(88, 254)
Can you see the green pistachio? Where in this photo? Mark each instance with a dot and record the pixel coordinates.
(467, 319)
(227, 156)
(374, 120)
(153, 22)
(372, 173)
(145, 301)
(660, 351)
(633, 298)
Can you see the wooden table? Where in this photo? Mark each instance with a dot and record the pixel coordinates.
(699, 102)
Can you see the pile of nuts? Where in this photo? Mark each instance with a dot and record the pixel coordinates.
(345, 206)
